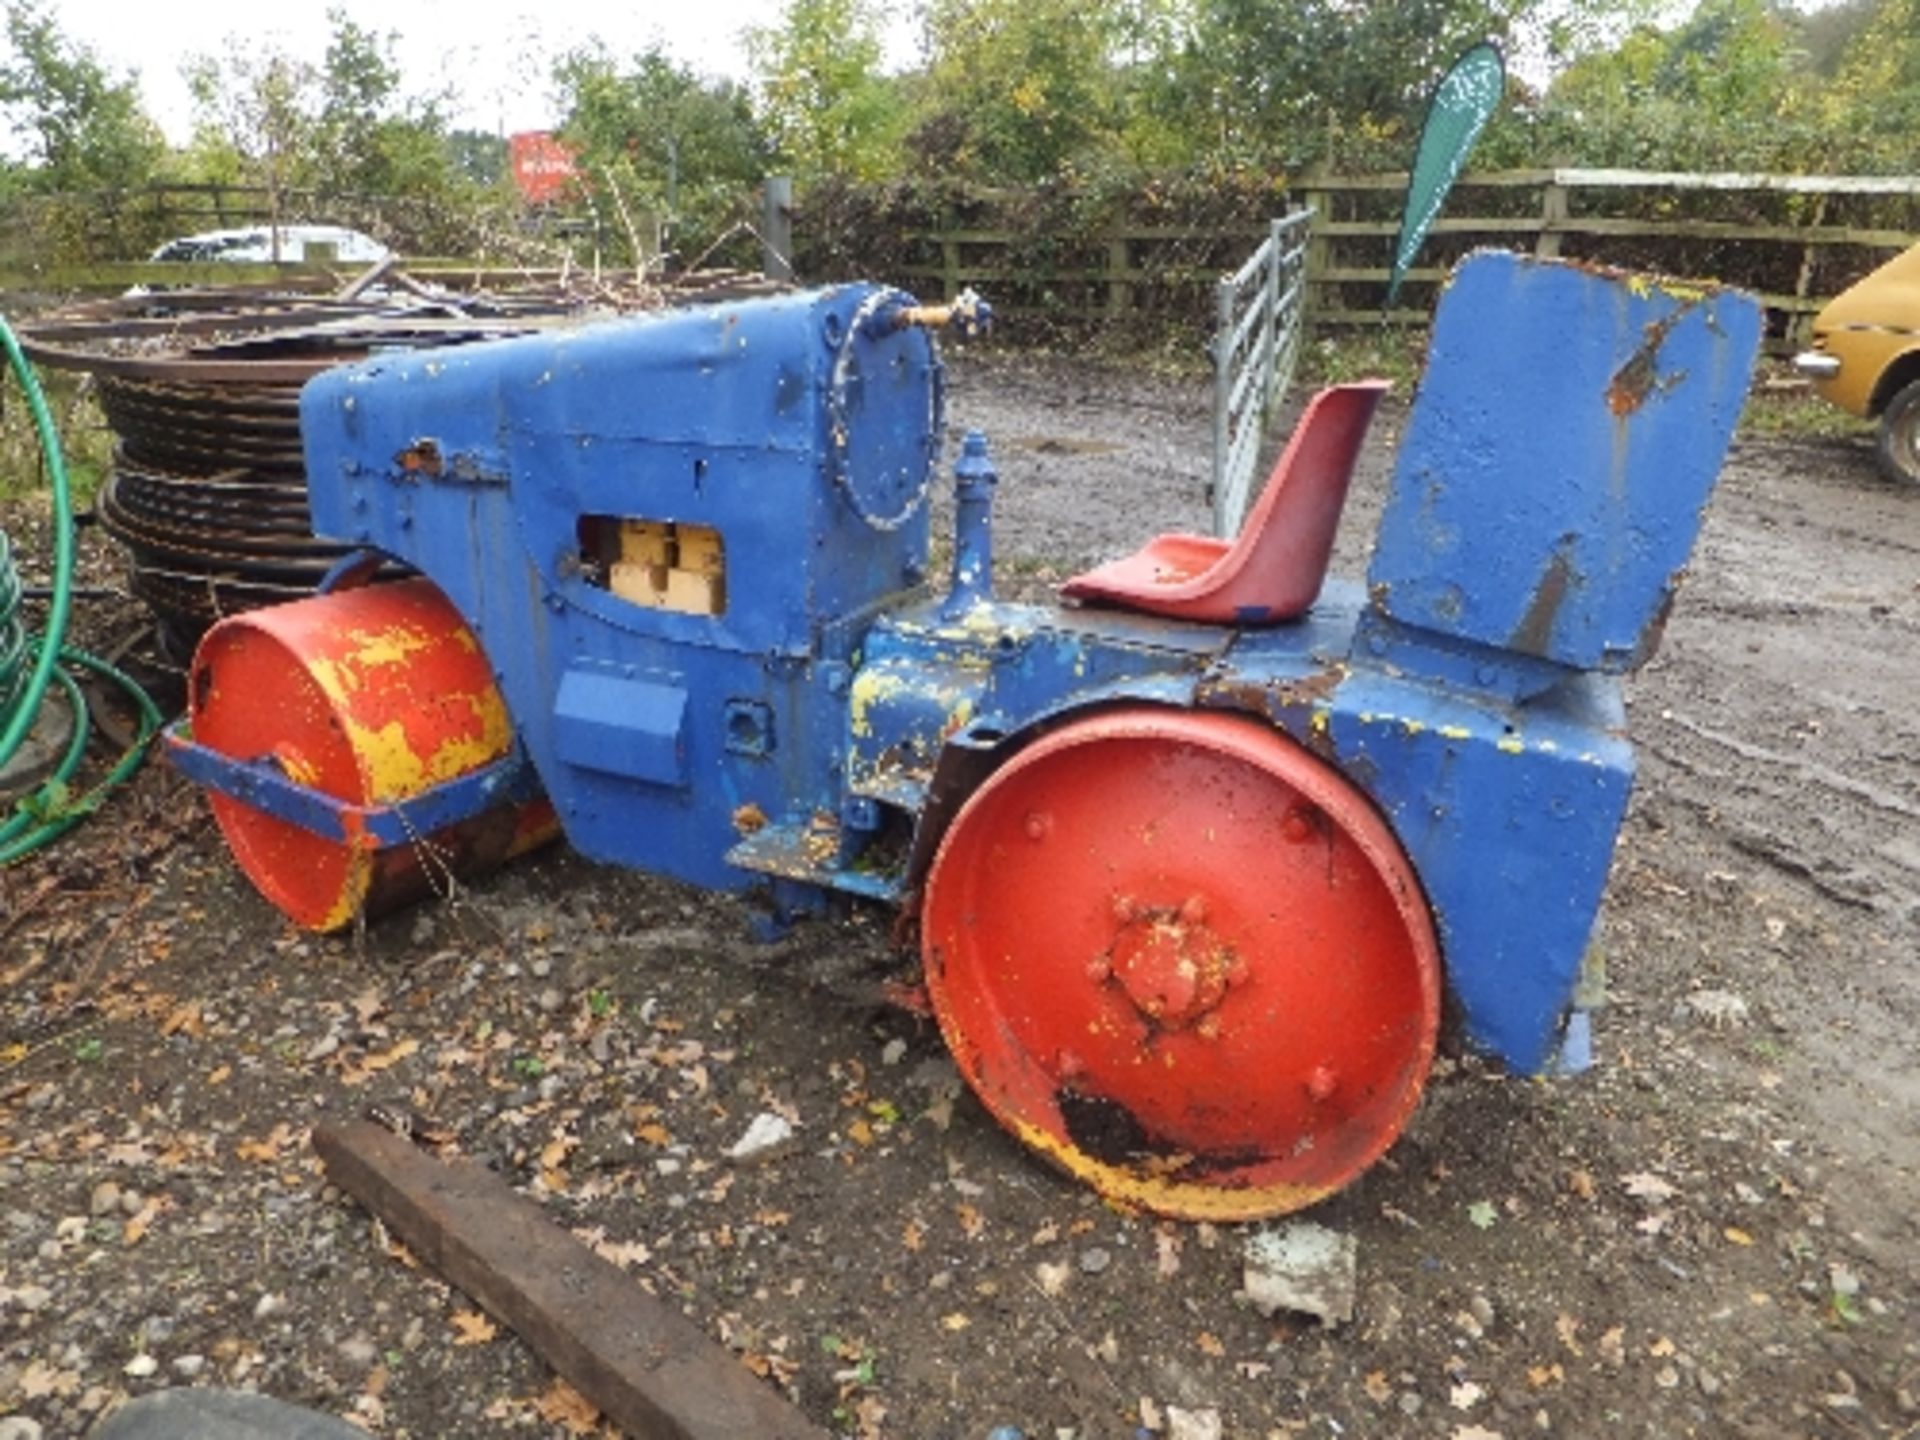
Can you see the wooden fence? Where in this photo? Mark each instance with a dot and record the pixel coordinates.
(1796, 240)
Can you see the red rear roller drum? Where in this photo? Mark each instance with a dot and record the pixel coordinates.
(372, 696)
(1187, 960)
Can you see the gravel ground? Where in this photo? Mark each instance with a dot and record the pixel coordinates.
(1713, 1233)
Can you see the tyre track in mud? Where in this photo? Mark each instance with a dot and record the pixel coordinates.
(1782, 721)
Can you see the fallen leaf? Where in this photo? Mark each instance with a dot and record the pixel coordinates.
(1613, 1346)
(1661, 1348)
(473, 1327)
(359, 1072)
(1378, 1390)
(1166, 1246)
(221, 1075)
(1482, 1214)
(1581, 1184)
(624, 1253)
(565, 1406)
(1737, 1235)
(40, 1380)
(1053, 1278)
(861, 1133)
(1566, 1327)
(1541, 1376)
(956, 1321)
(1477, 1432)
(914, 1236)
(1465, 1395)
(1209, 1344)
(652, 1134)
(869, 1412)
(972, 1222)
(265, 1150)
(184, 1019)
(143, 1219)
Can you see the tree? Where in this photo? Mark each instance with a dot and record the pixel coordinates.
(1876, 94)
(1286, 83)
(1020, 90)
(81, 127)
(827, 109)
(1729, 87)
(658, 136)
(342, 134)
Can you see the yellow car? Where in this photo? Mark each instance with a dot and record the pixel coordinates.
(1866, 358)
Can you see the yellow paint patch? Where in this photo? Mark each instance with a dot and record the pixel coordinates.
(1167, 1196)
(870, 688)
(1455, 732)
(344, 675)
(1511, 745)
(297, 767)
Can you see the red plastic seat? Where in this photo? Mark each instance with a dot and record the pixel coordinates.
(1273, 570)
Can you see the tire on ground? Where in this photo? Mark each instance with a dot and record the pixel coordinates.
(1899, 443)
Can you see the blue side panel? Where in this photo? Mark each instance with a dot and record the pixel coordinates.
(1509, 821)
(1561, 447)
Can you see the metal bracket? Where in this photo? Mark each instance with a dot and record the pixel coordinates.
(264, 786)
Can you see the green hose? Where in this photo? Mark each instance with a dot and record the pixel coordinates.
(53, 809)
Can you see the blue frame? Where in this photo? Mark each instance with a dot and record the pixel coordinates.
(813, 734)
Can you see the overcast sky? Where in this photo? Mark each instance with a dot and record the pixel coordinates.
(495, 54)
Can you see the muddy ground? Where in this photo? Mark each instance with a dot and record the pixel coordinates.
(1713, 1233)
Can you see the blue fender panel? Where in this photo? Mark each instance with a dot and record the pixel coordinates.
(1509, 819)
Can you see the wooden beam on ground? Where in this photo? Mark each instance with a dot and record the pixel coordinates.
(647, 1368)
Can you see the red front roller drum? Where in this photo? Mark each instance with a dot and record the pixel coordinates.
(372, 696)
(1186, 959)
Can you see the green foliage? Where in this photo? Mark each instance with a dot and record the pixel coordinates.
(1306, 82)
(656, 139)
(1020, 90)
(1736, 85)
(1876, 95)
(827, 109)
(323, 139)
(81, 127)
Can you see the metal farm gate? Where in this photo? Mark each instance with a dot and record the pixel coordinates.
(1259, 313)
